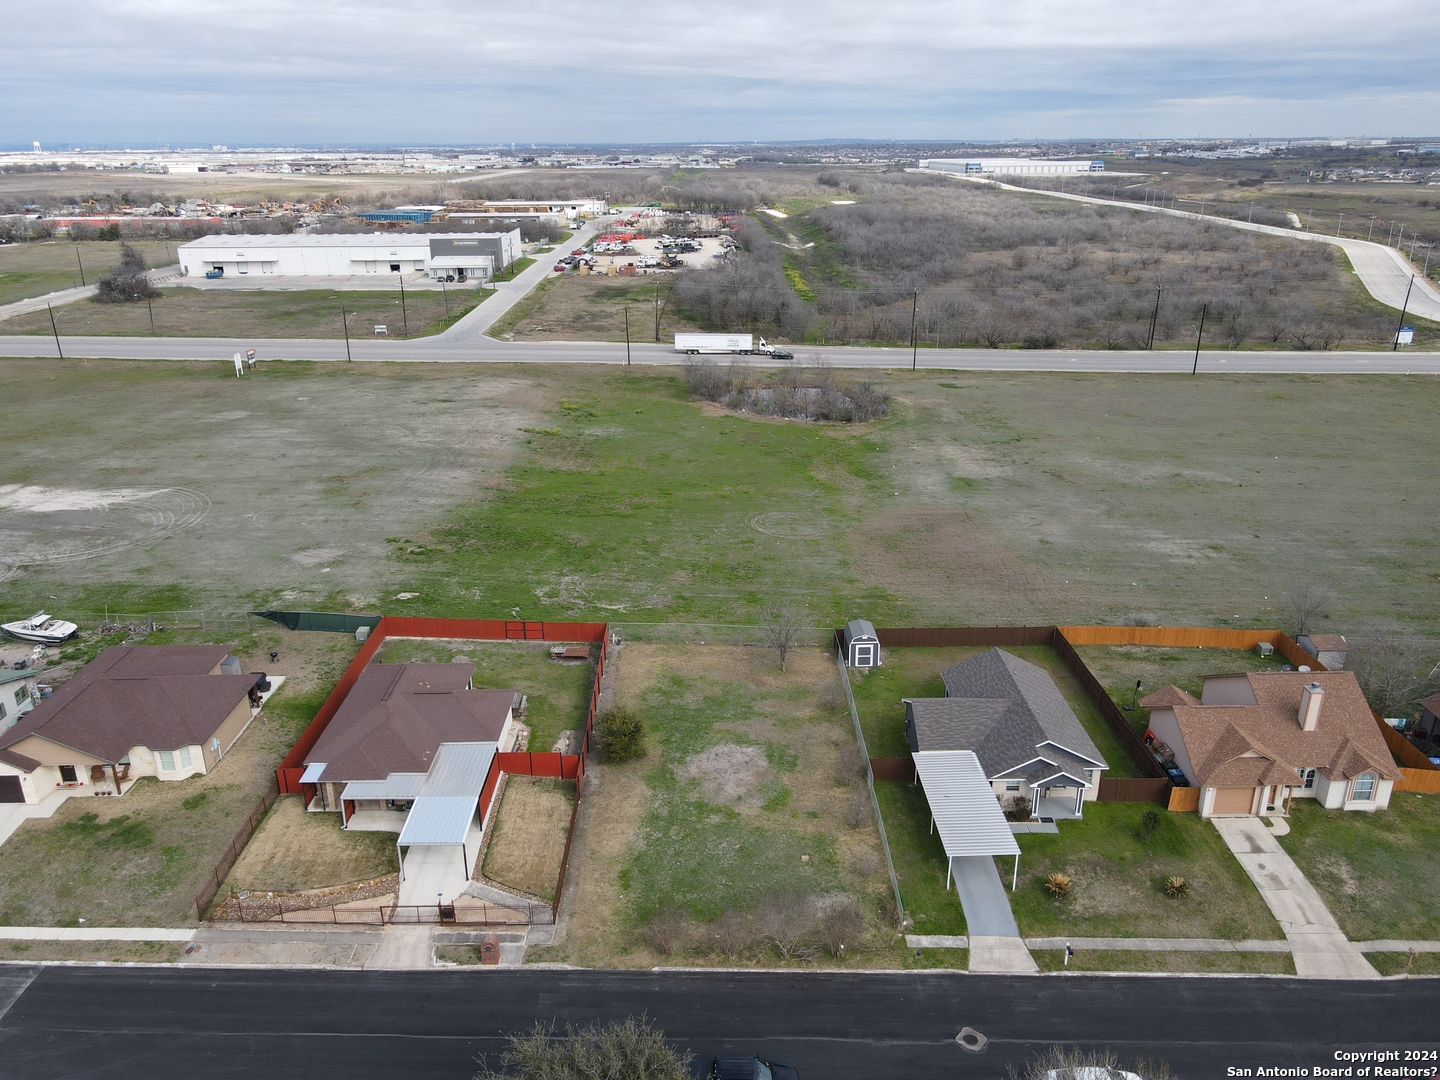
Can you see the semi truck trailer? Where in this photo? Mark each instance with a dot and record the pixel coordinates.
(735, 344)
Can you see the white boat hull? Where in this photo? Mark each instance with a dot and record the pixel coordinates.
(52, 632)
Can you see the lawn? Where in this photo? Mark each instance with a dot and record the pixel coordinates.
(181, 311)
(34, 269)
(557, 694)
(1378, 873)
(527, 840)
(1178, 962)
(294, 850)
(919, 860)
(1118, 879)
(140, 860)
(1389, 963)
(915, 673)
(747, 796)
(1118, 666)
(591, 307)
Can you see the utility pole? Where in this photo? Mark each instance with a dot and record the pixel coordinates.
(81, 265)
(1401, 238)
(1414, 239)
(404, 318)
(1196, 366)
(345, 322)
(1394, 345)
(627, 335)
(446, 297)
(914, 346)
(55, 330)
(1309, 218)
(1426, 272)
(150, 309)
(1340, 222)
(1370, 235)
(657, 312)
(1154, 319)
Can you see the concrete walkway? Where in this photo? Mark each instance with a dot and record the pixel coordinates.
(995, 942)
(94, 933)
(403, 948)
(1320, 948)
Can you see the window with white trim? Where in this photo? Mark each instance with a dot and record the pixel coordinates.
(185, 757)
(1364, 790)
(1308, 775)
(1013, 785)
(166, 760)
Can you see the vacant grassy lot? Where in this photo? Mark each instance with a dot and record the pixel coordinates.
(1178, 962)
(919, 860)
(557, 693)
(744, 799)
(294, 850)
(1118, 877)
(109, 952)
(915, 673)
(140, 859)
(187, 312)
(1378, 872)
(35, 269)
(1118, 666)
(527, 839)
(591, 307)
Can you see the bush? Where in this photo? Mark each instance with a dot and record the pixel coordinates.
(840, 927)
(1149, 822)
(668, 932)
(732, 932)
(857, 810)
(621, 735)
(629, 1050)
(1059, 885)
(127, 283)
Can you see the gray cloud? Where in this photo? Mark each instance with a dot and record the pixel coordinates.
(366, 71)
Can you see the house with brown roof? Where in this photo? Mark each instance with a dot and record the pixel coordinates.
(168, 711)
(1254, 741)
(412, 750)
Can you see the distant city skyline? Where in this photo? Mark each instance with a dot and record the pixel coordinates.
(257, 73)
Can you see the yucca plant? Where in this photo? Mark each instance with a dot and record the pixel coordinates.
(1059, 885)
(1176, 887)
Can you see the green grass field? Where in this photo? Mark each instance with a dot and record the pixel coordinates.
(1119, 666)
(38, 268)
(919, 860)
(309, 313)
(1177, 962)
(1378, 872)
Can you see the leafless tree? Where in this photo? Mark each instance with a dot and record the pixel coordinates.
(857, 810)
(667, 932)
(841, 927)
(782, 626)
(633, 1049)
(1396, 674)
(732, 932)
(786, 921)
(1303, 604)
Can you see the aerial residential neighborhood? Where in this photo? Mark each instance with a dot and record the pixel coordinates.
(816, 540)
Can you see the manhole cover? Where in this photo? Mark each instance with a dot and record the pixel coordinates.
(971, 1040)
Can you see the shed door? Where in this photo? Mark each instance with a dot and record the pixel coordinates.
(1234, 800)
(864, 655)
(10, 790)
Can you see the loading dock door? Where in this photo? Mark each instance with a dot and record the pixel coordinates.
(10, 790)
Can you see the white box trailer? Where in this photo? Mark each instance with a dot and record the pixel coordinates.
(742, 344)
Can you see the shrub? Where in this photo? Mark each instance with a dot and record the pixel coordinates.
(857, 810)
(786, 921)
(732, 932)
(667, 932)
(127, 282)
(1059, 885)
(1176, 887)
(1149, 822)
(621, 735)
(842, 925)
(633, 1048)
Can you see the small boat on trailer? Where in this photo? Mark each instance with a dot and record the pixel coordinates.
(42, 628)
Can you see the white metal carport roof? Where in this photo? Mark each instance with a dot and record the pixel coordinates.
(405, 785)
(963, 807)
(446, 803)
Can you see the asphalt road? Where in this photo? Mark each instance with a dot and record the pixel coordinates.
(480, 349)
(78, 1022)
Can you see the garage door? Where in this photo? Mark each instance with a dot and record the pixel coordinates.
(10, 789)
(1233, 800)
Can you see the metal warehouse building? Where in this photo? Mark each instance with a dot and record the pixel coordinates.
(1012, 166)
(462, 255)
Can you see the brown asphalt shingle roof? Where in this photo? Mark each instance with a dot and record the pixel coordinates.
(1251, 745)
(397, 715)
(156, 696)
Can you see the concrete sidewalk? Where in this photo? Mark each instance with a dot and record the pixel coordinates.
(1320, 947)
(995, 943)
(404, 948)
(94, 933)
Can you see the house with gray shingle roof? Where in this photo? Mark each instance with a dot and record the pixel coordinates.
(1012, 716)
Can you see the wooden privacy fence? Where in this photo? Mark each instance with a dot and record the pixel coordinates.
(893, 768)
(966, 636)
(237, 845)
(1128, 789)
(1113, 716)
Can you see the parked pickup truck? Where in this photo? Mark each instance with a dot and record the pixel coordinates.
(741, 344)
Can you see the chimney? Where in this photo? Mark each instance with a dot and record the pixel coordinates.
(1311, 698)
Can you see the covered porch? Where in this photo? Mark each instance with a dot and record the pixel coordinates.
(440, 841)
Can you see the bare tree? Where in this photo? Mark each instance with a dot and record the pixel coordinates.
(667, 932)
(731, 932)
(782, 625)
(1395, 674)
(787, 920)
(840, 927)
(1303, 604)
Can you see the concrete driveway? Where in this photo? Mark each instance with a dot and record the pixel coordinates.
(995, 942)
(1320, 947)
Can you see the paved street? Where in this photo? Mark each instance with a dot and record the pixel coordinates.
(127, 1022)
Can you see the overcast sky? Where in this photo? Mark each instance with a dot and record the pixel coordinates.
(268, 72)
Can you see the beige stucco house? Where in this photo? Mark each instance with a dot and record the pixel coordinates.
(168, 711)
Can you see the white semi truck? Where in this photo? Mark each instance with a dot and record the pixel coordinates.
(741, 344)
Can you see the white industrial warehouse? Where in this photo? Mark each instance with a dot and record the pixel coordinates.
(1012, 166)
(447, 256)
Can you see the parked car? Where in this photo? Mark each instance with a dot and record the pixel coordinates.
(560, 268)
(750, 1068)
(578, 251)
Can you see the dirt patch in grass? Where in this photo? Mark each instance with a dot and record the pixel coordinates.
(1378, 873)
(667, 837)
(1178, 962)
(140, 859)
(527, 840)
(1118, 875)
(295, 850)
(108, 952)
